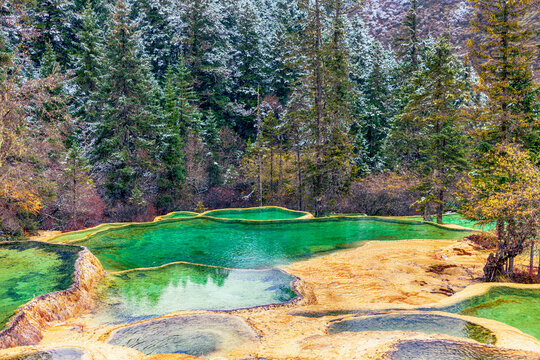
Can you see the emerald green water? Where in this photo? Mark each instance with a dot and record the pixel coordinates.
(264, 213)
(244, 245)
(142, 294)
(198, 335)
(457, 219)
(29, 269)
(425, 323)
(519, 308)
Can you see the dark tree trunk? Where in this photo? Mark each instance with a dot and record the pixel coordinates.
(318, 104)
(300, 186)
(440, 206)
(531, 259)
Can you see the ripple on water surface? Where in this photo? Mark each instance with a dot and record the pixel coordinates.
(29, 269)
(449, 350)
(425, 323)
(142, 294)
(244, 245)
(198, 335)
(519, 308)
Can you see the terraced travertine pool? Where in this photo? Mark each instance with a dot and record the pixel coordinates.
(244, 244)
(142, 294)
(424, 323)
(29, 269)
(457, 219)
(519, 308)
(224, 260)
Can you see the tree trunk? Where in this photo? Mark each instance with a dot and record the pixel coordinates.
(538, 269)
(280, 175)
(531, 259)
(318, 104)
(259, 176)
(272, 172)
(259, 149)
(440, 206)
(300, 189)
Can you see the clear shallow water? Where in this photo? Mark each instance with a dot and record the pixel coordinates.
(198, 335)
(265, 213)
(448, 350)
(519, 308)
(457, 219)
(138, 295)
(237, 244)
(56, 354)
(29, 269)
(425, 323)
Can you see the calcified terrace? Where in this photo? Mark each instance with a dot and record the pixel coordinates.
(265, 282)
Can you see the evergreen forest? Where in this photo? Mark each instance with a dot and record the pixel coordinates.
(122, 110)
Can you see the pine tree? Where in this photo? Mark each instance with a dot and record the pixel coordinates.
(374, 110)
(435, 110)
(87, 69)
(182, 104)
(157, 34)
(205, 49)
(248, 62)
(504, 58)
(410, 47)
(285, 23)
(183, 119)
(56, 21)
(321, 98)
(409, 42)
(337, 152)
(126, 130)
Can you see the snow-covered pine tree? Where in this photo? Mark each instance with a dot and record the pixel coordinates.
(56, 21)
(156, 32)
(371, 67)
(247, 61)
(87, 71)
(206, 52)
(129, 119)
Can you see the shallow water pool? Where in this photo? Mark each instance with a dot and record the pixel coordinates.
(245, 245)
(264, 213)
(519, 308)
(449, 350)
(29, 269)
(142, 294)
(198, 335)
(424, 323)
